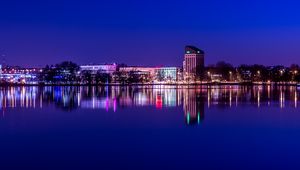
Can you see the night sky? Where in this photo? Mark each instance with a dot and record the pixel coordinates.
(148, 32)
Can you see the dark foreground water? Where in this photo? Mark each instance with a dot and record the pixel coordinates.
(155, 127)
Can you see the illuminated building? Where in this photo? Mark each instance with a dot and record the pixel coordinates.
(140, 70)
(20, 75)
(216, 77)
(103, 68)
(144, 72)
(168, 73)
(193, 63)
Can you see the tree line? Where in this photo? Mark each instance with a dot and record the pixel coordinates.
(253, 73)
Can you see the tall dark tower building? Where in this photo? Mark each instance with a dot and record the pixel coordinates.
(193, 63)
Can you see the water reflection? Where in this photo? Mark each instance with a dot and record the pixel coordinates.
(194, 99)
(193, 105)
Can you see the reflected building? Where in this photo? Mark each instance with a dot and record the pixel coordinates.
(192, 99)
(193, 106)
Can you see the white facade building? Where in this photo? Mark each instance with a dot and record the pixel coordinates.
(104, 68)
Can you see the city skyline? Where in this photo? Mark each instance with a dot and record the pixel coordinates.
(149, 84)
(127, 31)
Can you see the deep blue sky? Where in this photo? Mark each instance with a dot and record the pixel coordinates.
(149, 32)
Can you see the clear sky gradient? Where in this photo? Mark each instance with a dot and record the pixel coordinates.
(148, 32)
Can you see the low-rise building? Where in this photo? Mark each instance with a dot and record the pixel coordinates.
(103, 68)
(167, 73)
(20, 75)
(155, 73)
(139, 70)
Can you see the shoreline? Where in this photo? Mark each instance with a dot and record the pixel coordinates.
(166, 84)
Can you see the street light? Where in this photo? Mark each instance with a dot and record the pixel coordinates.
(281, 72)
(258, 75)
(208, 76)
(295, 74)
(230, 78)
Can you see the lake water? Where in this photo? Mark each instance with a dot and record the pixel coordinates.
(150, 127)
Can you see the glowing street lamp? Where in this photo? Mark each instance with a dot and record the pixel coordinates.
(295, 74)
(209, 75)
(281, 72)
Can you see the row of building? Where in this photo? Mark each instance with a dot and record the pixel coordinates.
(19, 75)
(166, 73)
(193, 64)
